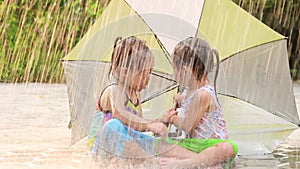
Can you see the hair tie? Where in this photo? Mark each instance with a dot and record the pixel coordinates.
(117, 40)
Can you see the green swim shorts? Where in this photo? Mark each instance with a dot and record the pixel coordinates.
(197, 145)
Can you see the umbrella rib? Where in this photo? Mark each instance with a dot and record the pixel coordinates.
(251, 48)
(262, 130)
(167, 89)
(158, 75)
(167, 55)
(198, 28)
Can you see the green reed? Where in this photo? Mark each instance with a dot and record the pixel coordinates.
(283, 16)
(36, 34)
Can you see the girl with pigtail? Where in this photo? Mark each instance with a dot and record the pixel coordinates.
(119, 104)
(202, 119)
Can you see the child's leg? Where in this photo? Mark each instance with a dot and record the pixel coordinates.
(111, 138)
(173, 150)
(221, 152)
(119, 140)
(94, 128)
(134, 150)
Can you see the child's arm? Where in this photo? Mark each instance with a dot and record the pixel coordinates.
(200, 104)
(139, 124)
(131, 120)
(140, 112)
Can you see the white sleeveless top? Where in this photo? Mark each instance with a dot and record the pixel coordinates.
(211, 125)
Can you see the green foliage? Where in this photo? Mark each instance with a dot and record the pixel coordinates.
(283, 16)
(37, 34)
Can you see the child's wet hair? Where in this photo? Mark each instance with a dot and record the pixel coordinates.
(131, 53)
(197, 54)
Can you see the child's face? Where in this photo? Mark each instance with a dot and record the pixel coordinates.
(176, 74)
(183, 75)
(141, 80)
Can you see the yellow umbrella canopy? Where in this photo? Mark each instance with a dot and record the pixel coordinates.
(254, 78)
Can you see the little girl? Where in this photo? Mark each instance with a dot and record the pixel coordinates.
(203, 114)
(120, 103)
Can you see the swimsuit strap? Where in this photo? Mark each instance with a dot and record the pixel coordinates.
(99, 100)
(130, 106)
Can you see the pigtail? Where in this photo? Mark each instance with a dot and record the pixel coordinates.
(216, 54)
(113, 59)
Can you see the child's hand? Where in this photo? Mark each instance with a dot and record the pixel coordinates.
(173, 119)
(172, 112)
(166, 117)
(158, 128)
(178, 100)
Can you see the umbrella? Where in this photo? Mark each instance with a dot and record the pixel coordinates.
(254, 81)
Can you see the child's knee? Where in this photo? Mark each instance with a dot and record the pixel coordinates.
(227, 149)
(112, 127)
(114, 124)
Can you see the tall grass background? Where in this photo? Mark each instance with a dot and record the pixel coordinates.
(284, 17)
(36, 34)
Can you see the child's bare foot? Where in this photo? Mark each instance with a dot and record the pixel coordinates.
(183, 163)
(115, 163)
(112, 163)
(171, 163)
(152, 162)
(218, 166)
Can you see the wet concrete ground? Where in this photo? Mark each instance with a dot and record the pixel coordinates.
(34, 133)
